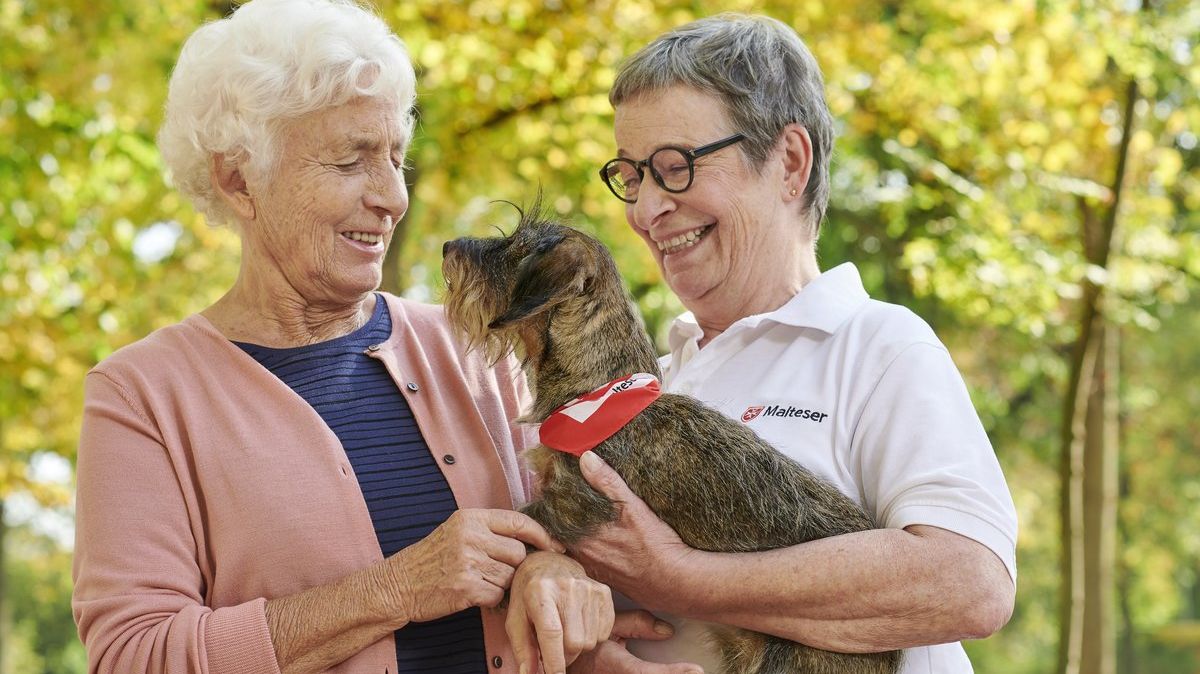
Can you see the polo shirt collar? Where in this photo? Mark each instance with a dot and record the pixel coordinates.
(824, 304)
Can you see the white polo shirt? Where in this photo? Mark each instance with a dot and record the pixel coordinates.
(862, 393)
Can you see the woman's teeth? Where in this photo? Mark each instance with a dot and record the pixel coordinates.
(685, 240)
(363, 237)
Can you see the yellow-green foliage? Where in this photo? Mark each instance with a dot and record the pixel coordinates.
(975, 137)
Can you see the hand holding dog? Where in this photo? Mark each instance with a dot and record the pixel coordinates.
(611, 657)
(620, 553)
(557, 611)
(469, 560)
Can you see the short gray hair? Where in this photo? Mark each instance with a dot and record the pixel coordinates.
(239, 78)
(762, 71)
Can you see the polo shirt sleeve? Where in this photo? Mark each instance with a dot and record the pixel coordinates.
(138, 597)
(925, 458)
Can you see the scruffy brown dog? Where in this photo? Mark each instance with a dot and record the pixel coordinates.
(554, 295)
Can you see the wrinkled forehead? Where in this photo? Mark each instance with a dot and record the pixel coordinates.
(363, 124)
(677, 115)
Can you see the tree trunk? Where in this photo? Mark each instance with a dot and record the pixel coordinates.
(1100, 508)
(1127, 662)
(393, 276)
(1071, 473)
(1127, 650)
(1087, 469)
(1089, 505)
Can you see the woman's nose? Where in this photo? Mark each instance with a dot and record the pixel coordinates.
(652, 203)
(389, 194)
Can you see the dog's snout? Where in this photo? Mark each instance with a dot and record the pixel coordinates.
(446, 248)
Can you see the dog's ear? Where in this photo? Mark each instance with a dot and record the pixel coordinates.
(555, 271)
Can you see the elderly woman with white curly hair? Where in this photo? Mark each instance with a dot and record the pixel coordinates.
(310, 475)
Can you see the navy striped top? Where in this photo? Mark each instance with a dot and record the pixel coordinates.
(405, 492)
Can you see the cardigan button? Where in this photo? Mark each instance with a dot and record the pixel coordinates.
(374, 347)
(497, 662)
(412, 386)
(449, 459)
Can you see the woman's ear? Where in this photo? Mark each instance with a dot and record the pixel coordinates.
(230, 185)
(797, 161)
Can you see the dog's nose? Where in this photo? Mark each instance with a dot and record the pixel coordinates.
(446, 248)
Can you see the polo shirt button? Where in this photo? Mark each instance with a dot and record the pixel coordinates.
(497, 662)
(449, 459)
(412, 386)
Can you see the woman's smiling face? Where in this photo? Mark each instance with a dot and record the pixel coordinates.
(325, 217)
(730, 235)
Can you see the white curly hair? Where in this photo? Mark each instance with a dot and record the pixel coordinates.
(238, 79)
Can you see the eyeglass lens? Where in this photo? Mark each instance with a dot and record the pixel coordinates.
(671, 168)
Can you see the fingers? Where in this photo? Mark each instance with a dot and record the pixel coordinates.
(502, 537)
(568, 612)
(603, 478)
(473, 557)
(680, 668)
(578, 621)
(640, 624)
(468, 560)
(516, 525)
(584, 624)
(507, 551)
(601, 618)
(587, 618)
(498, 575)
(522, 637)
(612, 658)
(549, 627)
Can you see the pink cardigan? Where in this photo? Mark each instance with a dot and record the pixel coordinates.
(206, 486)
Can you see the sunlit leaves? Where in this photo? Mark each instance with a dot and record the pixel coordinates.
(973, 136)
(80, 182)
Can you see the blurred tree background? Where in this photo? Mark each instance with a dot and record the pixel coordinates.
(1025, 175)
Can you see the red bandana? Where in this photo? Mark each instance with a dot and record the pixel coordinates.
(591, 419)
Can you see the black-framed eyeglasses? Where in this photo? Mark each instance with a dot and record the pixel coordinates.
(673, 168)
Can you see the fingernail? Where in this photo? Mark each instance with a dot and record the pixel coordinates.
(524, 669)
(590, 460)
(664, 628)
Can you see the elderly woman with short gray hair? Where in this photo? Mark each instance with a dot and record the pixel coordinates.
(310, 475)
(723, 152)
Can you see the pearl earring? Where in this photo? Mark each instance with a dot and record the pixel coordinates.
(793, 192)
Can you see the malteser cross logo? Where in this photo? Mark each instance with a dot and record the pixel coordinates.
(754, 411)
(751, 412)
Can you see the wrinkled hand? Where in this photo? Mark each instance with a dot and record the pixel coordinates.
(611, 657)
(620, 554)
(556, 611)
(469, 560)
